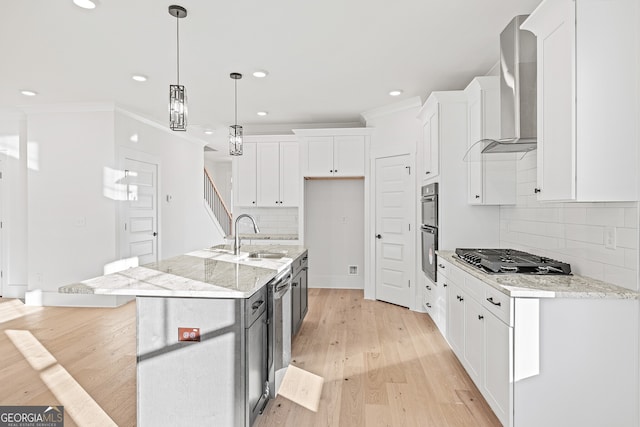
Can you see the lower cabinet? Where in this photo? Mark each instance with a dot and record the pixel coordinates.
(299, 292)
(546, 361)
(256, 341)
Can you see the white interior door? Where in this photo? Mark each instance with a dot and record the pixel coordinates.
(394, 243)
(139, 229)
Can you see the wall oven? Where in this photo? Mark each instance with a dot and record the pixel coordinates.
(429, 229)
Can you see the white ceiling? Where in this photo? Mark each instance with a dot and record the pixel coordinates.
(328, 61)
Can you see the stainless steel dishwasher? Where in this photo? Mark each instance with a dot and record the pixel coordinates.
(279, 328)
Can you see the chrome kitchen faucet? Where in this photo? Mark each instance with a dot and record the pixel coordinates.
(236, 240)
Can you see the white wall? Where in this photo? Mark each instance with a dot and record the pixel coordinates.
(184, 223)
(334, 232)
(70, 222)
(13, 205)
(573, 232)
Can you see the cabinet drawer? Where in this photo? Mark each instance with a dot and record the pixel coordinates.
(256, 304)
(475, 288)
(427, 299)
(499, 304)
(450, 272)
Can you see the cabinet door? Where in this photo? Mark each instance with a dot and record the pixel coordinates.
(296, 308)
(475, 133)
(257, 369)
(289, 174)
(554, 26)
(268, 170)
(498, 367)
(245, 177)
(455, 320)
(474, 340)
(348, 155)
(430, 142)
(440, 304)
(320, 156)
(304, 294)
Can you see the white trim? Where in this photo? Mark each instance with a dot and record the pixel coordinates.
(334, 131)
(163, 127)
(288, 128)
(396, 107)
(7, 114)
(67, 108)
(271, 138)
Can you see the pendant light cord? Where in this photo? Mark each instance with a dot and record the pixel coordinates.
(235, 119)
(178, 46)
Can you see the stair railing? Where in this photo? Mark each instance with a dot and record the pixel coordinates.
(216, 204)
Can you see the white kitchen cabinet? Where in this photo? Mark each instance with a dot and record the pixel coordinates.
(587, 68)
(545, 361)
(335, 156)
(278, 180)
(244, 180)
(491, 178)
(429, 116)
(267, 174)
(455, 319)
(498, 367)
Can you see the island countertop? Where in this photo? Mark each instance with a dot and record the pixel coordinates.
(543, 286)
(206, 273)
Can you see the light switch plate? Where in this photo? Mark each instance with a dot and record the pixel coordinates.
(610, 237)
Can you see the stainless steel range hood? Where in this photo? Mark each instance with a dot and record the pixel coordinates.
(518, 107)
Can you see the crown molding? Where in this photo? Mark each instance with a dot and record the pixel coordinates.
(334, 131)
(396, 107)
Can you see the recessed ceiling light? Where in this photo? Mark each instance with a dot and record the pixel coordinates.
(139, 78)
(86, 4)
(395, 92)
(260, 74)
(262, 113)
(208, 132)
(28, 93)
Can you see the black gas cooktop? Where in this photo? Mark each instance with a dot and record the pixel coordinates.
(511, 261)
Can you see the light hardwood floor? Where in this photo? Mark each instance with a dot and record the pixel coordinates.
(380, 364)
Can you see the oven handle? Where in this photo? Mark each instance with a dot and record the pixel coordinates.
(427, 229)
(429, 198)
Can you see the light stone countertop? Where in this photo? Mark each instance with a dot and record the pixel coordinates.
(263, 236)
(206, 273)
(543, 286)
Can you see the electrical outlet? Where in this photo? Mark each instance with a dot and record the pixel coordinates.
(610, 237)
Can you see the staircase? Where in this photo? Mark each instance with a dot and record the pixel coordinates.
(217, 206)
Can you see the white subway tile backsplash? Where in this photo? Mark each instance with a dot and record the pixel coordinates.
(631, 217)
(584, 233)
(627, 238)
(270, 220)
(573, 232)
(606, 216)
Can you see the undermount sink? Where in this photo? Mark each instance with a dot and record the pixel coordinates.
(270, 255)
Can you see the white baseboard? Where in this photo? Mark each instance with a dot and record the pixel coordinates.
(14, 291)
(42, 298)
(336, 282)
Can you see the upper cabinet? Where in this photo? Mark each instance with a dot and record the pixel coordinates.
(491, 177)
(587, 52)
(334, 153)
(335, 156)
(429, 115)
(267, 174)
(244, 176)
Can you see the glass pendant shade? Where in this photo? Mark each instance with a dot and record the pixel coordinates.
(235, 140)
(177, 108)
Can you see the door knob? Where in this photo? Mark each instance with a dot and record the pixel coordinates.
(378, 236)
(155, 234)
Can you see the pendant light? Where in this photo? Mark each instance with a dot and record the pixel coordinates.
(235, 131)
(177, 92)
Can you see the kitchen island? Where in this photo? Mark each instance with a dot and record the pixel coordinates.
(543, 349)
(202, 333)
